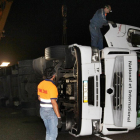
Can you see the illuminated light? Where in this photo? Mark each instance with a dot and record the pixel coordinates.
(4, 64)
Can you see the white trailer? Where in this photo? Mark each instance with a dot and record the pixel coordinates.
(98, 89)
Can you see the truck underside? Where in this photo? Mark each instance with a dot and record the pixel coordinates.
(69, 83)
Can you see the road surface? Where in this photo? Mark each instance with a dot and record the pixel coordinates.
(14, 125)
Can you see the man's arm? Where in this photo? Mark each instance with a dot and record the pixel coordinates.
(55, 107)
(39, 97)
(102, 17)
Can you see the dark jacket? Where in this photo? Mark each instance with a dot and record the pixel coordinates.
(99, 19)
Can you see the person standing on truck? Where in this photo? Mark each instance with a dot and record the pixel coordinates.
(49, 112)
(97, 21)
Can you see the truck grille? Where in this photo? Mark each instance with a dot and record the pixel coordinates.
(97, 89)
(93, 92)
(118, 91)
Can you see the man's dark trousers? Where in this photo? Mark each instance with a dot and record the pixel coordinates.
(96, 37)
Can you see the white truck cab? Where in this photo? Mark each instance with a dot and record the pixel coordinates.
(98, 88)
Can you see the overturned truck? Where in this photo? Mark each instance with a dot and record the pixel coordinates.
(98, 89)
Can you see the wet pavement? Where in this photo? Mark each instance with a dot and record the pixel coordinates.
(14, 125)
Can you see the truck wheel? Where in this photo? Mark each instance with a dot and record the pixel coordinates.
(55, 52)
(60, 52)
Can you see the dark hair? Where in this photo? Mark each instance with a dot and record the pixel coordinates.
(107, 6)
(49, 72)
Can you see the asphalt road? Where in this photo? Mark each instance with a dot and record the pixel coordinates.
(14, 125)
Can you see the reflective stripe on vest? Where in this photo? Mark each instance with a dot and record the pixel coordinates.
(46, 105)
(45, 102)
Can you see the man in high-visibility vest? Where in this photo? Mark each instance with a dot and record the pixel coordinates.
(97, 21)
(49, 111)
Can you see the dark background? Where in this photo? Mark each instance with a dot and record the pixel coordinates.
(33, 25)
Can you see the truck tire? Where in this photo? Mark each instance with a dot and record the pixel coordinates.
(60, 52)
(55, 52)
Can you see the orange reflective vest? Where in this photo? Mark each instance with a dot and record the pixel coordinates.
(47, 91)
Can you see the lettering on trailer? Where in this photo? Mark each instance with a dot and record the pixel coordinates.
(130, 91)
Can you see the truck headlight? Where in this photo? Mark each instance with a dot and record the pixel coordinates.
(95, 55)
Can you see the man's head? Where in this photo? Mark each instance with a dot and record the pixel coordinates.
(107, 9)
(49, 73)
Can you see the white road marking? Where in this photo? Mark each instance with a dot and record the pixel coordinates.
(105, 138)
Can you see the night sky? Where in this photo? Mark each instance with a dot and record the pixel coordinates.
(33, 25)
